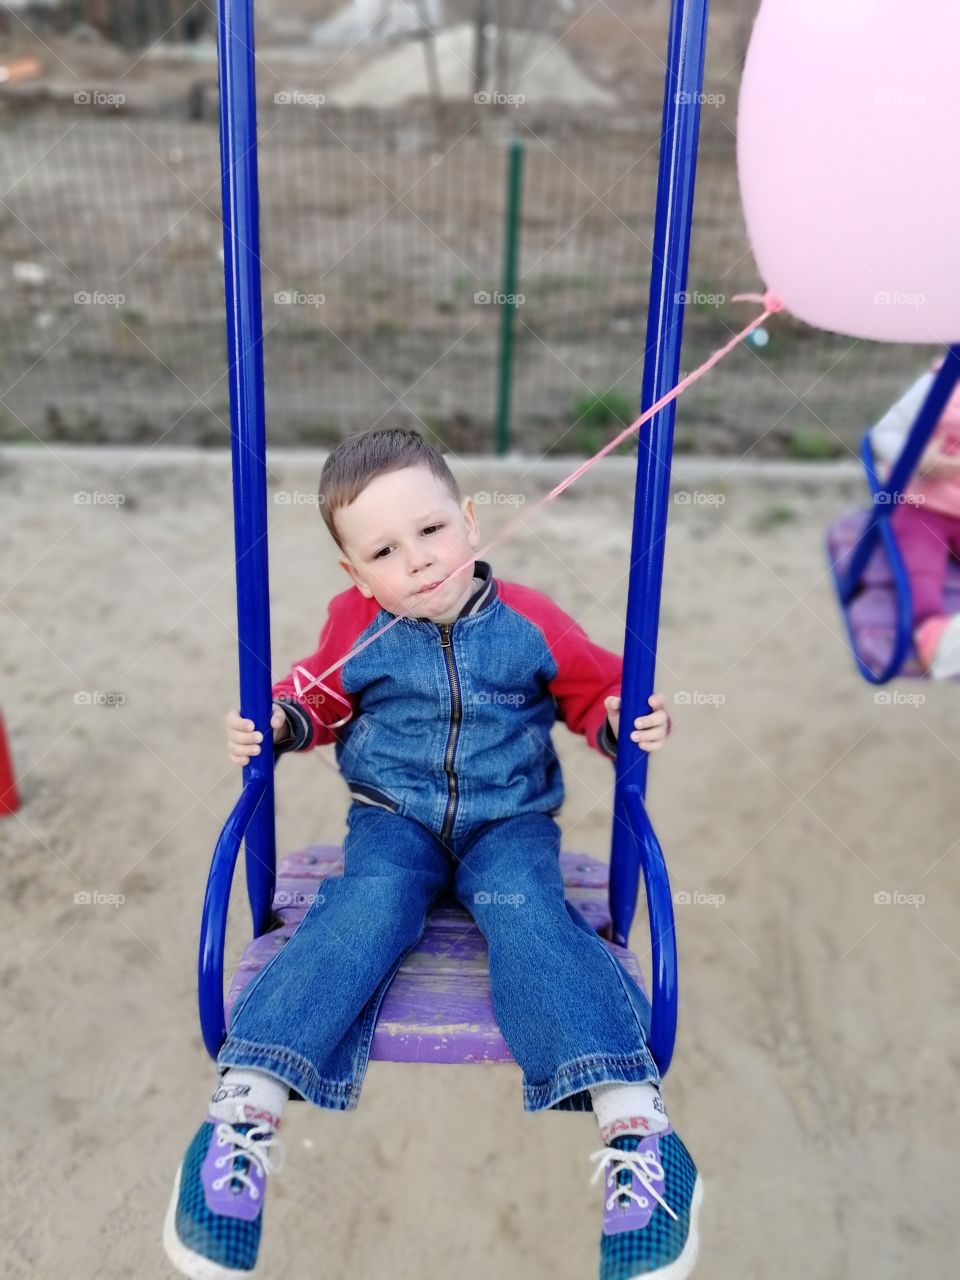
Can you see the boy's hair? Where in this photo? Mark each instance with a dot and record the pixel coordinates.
(361, 458)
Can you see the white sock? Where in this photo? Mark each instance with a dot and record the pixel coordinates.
(247, 1096)
(623, 1109)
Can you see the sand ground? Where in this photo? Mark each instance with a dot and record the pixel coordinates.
(815, 1079)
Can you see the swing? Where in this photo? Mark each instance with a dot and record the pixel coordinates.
(438, 1006)
(869, 575)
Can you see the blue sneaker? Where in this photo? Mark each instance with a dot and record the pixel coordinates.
(651, 1208)
(212, 1227)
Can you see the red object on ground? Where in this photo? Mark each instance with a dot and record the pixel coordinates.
(9, 798)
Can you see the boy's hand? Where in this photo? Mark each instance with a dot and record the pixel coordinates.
(649, 732)
(243, 742)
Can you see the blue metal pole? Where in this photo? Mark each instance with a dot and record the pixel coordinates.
(241, 265)
(683, 86)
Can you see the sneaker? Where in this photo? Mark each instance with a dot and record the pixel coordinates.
(212, 1227)
(651, 1208)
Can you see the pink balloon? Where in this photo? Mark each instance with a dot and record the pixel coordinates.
(849, 119)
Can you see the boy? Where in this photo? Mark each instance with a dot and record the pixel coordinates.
(441, 727)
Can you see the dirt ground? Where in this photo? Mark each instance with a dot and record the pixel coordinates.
(815, 1078)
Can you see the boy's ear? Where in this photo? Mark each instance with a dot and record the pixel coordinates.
(473, 525)
(355, 579)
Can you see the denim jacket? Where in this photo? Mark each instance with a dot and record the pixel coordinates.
(450, 723)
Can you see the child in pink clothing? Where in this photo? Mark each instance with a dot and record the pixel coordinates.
(926, 522)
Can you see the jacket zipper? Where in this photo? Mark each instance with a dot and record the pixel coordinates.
(455, 712)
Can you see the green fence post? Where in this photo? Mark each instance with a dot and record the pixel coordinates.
(508, 299)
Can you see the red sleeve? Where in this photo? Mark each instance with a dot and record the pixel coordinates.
(586, 672)
(315, 709)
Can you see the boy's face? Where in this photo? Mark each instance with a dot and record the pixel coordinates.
(404, 532)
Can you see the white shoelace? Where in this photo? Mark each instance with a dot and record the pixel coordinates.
(644, 1166)
(257, 1144)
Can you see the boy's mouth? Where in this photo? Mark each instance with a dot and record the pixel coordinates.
(430, 587)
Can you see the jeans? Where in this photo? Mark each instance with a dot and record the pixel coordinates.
(569, 1012)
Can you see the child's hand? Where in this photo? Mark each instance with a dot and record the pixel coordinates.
(649, 732)
(242, 742)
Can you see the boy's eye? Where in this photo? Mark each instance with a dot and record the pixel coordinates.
(431, 528)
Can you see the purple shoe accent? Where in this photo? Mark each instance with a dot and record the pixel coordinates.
(231, 1197)
(628, 1213)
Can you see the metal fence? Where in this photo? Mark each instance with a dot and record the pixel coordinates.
(383, 259)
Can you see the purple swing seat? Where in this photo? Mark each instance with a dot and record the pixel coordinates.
(872, 614)
(438, 1007)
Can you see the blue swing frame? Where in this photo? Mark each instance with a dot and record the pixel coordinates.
(635, 847)
(877, 530)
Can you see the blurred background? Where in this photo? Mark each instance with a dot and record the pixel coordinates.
(403, 148)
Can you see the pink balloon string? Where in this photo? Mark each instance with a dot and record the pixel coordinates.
(771, 305)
